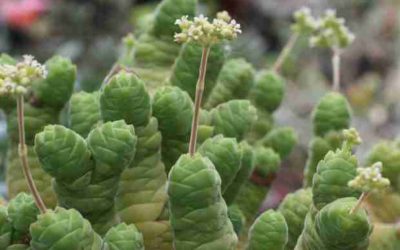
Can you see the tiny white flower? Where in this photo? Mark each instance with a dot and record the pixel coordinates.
(206, 33)
(370, 179)
(224, 16)
(16, 79)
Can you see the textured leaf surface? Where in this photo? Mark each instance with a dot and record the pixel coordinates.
(269, 231)
(294, 207)
(56, 89)
(233, 118)
(84, 112)
(142, 196)
(124, 237)
(339, 229)
(253, 192)
(267, 93)
(22, 212)
(125, 98)
(330, 182)
(63, 229)
(332, 113)
(5, 228)
(282, 140)
(168, 12)
(318, 148)
(186, 69)
(389, 154)
(198, 212)
(224, 153)
(246, 168)
(234, 82)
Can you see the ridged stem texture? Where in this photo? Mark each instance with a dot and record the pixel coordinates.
(24, 156)
(198, 99)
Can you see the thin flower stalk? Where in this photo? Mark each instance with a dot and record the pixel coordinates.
(16, 80)
(204, 33)
(198, 100)
(23, 154)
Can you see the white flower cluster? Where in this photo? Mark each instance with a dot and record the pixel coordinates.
(16, 79)
(370, 179)
(352, 136)
(206, 33)
(304, 23)
(331, 32)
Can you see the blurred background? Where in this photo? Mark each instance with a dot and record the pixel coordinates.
(90, 32)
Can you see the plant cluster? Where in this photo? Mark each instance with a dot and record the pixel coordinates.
(178, 149)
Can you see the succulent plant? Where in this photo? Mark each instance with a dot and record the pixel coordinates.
(43, 106)
(181, 172)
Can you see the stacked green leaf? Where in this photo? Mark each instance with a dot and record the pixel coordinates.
(5, 228)
(226, 156)
(268, 91)
(198, 213)
(333, 174)
(334, 227)
(331, 115)
(387, 152)
(261, 126)
(15, 221)
(84, 112)
(237, 218)
(43, 106)
(245, 171)
(294, 207)
(233, 118)
(173, 108)
(340, 229)
(331, 222)
(141, 196)
(123, 237)
(266, 95)
(155, 50)
(318, 148)
(56, 89)
(87, 172)
(281, 140)
(167, 12)
(234, 82)
(253, 192)
(269, 231)
(186, 69)
(22, 212)
(63, 229)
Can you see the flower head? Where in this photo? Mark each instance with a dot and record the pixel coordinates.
(201, 31)
(16, 79)
(331, 32)
(352, 136)
(370, 179)
(304, 22)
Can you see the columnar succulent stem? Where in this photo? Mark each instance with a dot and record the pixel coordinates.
(360, 201)
(198, 98)
(24, 157)
(336, 69)
(285, 52)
